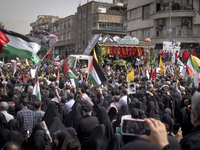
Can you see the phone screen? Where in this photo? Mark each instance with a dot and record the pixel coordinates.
(135, 127)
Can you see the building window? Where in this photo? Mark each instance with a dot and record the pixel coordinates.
(69, 35)
(129, 15)
(145, 33)
(146, 12)
(134, 14)
(79, 16)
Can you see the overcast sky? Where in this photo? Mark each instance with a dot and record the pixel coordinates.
(17, 15)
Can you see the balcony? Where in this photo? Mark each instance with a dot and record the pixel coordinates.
(108, 28)
(176, 11)
(183, 36)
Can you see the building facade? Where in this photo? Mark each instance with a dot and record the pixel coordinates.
(164, 20)
(95, 18)
(42, 23)
(65, 29)
(76, 31)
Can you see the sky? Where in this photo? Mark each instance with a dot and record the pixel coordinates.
(17, 15)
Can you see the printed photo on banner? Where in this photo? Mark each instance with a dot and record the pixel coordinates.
(132, 88)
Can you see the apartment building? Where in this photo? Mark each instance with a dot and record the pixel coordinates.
(97, 17)
(164, 20)
(65, 29)
(76, 31)
(42, 23)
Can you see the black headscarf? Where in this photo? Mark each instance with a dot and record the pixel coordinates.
(4, 137)
(141, 114)
(74, 116)
(31, 138)
(104, 119)
(151, 110)
(97, 139)
(12, 125)
(166, 119)
(56, 125)
(140, 145)
(139, 105)
(131, 105)
(124, 110)
(71, 134)
(116, 142)
(16, 137)
(61, 135)
(39, 140)
(3, 121)
(134, 113)
(112, 113)
(51, 113)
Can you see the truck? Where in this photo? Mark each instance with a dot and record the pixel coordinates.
(79, 61)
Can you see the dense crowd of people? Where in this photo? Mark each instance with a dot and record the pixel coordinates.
(90, 117)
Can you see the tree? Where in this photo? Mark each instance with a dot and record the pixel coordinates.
(152, 57)
(2, 25)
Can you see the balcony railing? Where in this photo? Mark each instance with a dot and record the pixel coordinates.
(107, 28)
(176, 6)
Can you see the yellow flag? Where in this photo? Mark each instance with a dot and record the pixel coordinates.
(139, 51)
(161, 66)
(95, 55)
(26, 61)
(3, 60)
(196, 60)
(130, 76)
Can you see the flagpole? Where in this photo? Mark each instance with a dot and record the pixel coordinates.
(42, 59)
(46, 54)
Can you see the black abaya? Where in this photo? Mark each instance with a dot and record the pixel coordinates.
(56, 125)
(50, 114)
(104, 119)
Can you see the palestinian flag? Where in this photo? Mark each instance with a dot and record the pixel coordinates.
(185, 55)
(193, 53)
(58, 79)
(153, 74)
(24, 80)
(96, 76)
(107, 70)
(70, 75)
(13, 44)
(36, 88)
(193, 73)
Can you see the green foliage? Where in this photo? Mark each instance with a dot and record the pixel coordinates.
(152, 57)
(121, 62)
(2, 25)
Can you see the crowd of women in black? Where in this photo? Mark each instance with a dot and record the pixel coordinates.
(89, 117)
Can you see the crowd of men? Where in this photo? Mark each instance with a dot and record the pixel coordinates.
(90, 117)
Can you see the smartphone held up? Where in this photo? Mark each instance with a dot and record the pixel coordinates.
(134, 127)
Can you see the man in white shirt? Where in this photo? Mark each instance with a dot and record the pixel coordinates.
(4, 109)
(123, 98)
